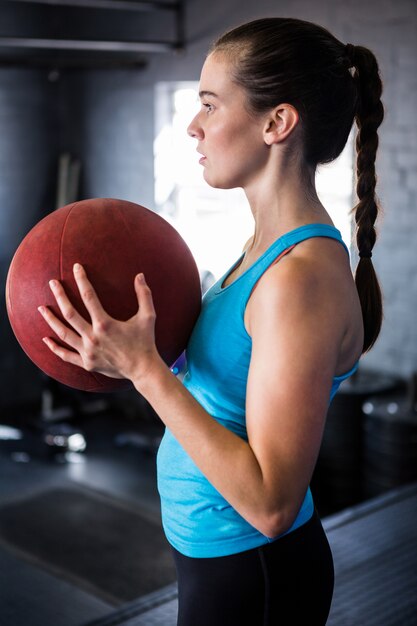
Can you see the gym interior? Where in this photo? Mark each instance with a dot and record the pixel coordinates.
(94, 100)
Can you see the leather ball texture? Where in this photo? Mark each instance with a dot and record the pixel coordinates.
(114, 240)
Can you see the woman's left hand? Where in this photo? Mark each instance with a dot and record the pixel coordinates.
(107, 346)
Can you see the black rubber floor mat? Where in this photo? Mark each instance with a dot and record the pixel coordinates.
(375, 556)
(103, 546)
(147, 608)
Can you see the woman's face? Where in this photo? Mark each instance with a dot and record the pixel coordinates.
(229, 139)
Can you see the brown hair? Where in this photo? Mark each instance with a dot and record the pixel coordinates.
(331, 85)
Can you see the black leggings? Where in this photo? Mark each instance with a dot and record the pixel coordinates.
(285, 583)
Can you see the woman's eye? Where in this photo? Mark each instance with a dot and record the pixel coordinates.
(207, 106)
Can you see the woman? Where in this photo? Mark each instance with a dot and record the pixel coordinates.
(276, 336)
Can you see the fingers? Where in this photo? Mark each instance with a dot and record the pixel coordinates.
(69, 312)
(77, 327)
(88, 294)
(65, 334)
(146, 307)
(63, 353)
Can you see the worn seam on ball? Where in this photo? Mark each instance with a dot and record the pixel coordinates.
(125, 224)
(61, 274)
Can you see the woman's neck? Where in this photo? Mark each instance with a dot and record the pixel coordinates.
(281, 203)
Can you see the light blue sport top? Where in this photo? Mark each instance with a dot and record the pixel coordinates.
(197, 520)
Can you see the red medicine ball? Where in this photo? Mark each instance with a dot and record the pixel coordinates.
(114, 240)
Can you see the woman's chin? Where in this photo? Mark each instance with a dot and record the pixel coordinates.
(217, 182)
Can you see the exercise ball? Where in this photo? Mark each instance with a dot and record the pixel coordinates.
(114, 240)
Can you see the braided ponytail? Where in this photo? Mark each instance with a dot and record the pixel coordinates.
(369, 116)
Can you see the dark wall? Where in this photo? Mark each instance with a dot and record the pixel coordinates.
(95, 116)
(28, 149)
(92, 112)
(104, 124)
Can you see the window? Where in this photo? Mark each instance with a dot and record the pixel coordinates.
(217, 223)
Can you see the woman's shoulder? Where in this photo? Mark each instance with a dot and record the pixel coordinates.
(315, 263)
(313, 285)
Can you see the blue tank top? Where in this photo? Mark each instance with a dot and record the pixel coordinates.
(197, 520)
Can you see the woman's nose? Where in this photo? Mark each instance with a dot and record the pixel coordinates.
(194, 129)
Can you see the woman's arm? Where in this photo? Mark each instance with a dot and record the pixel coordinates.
(296, 331)
(265, 479)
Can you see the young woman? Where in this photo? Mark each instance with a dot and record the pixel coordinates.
(276, 336)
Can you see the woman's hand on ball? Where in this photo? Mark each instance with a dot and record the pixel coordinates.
(107, 346)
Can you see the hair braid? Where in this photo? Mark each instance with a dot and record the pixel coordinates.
(369, 116)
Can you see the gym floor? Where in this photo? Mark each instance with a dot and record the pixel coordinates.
(118, 463)
(374, 543)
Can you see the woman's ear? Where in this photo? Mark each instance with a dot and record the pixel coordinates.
(280, 122)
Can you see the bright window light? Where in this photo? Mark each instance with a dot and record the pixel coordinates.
(216, 223)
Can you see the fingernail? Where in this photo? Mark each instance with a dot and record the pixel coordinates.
(41, 309)
(52, 283)
(77, 267)
(141, 278)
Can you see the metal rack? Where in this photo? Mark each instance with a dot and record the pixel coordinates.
(65, 51)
